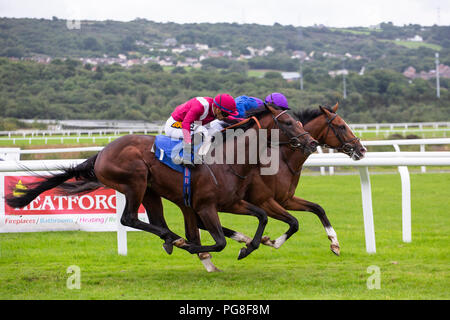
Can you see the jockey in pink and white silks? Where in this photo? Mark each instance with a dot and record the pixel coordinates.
(193, 115)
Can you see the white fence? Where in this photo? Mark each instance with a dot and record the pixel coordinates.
(401, 159)
(396, 146)
(401, 125)
(130, 128)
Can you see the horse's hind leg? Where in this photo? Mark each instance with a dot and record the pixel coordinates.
(246, 208)
(193, 235)
(274, 210)
(134, 196)
(155, 212)
(298, 204)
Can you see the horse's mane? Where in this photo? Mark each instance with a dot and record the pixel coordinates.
(305, 116)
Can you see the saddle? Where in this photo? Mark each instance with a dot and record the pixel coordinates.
(166, 150)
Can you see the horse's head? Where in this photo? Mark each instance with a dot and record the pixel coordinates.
(292, 132)
(333, 132)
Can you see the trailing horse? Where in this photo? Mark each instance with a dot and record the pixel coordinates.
(128, 166)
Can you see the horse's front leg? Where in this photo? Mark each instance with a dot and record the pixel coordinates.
(298, 204)
(155, 213)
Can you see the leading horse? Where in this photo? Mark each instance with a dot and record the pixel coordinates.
(331, 131)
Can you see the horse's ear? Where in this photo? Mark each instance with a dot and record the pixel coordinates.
(335, 107)
(268, 107)
(325, 112)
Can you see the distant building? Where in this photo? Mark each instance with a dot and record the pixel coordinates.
(410, 73)
(201, 46)
(299, 54)
(290, 76)
(416, 38)
(170, 42)
(335, 73)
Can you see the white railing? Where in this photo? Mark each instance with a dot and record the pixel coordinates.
(145, 128)
(404, 125)
(78, 139)
(396, 146)
(401, 159)
(80, 132)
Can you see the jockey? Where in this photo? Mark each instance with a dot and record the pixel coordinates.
(245, 103)
(278, 99)
(201, 109)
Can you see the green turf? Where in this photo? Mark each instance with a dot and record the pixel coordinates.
(34, 265)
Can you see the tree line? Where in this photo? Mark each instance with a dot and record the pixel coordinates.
(69, 90)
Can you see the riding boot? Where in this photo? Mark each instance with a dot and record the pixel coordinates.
(188, 151)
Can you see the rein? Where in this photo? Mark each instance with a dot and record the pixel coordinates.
(236, 174)
(244, 121)
(294, 142)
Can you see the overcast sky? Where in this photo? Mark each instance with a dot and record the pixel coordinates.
(333, 13)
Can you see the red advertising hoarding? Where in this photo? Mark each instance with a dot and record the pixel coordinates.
(51, 211)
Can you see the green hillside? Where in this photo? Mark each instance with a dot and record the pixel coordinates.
(233, 57)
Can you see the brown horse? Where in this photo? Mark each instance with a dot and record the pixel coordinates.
(275, 193)
(279, 192)
(128, 166)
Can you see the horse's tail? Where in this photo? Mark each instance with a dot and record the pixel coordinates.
(84, 174)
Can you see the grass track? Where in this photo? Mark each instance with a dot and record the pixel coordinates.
(33, 265)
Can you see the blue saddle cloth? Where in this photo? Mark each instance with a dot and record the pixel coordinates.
(165, 150)
(164, 146)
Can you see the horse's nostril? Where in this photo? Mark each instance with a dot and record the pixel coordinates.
(363, 150)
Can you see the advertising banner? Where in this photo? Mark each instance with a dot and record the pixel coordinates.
(51, 211)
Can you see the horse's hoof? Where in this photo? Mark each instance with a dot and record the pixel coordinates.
(168, 247)
(336, 250)
(244, 252)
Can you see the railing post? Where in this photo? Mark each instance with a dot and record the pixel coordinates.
(331, 168)
(322, 169)
(366, 193)
(422, 168)
(406, 200)
(121, 229)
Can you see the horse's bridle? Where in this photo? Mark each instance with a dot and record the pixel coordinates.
(294, 141)
(346, 146)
